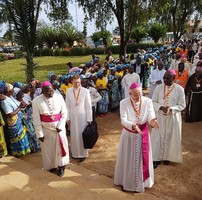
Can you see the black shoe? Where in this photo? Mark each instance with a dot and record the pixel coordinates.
(166, 162)
(81, 159)
(156, 163)
(53, 170)
(123, 189)
(61, 171)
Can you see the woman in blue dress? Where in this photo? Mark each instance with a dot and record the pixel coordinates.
(19, 144)
(27, 119)
(114, 94)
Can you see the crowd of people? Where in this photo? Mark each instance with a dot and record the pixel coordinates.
(37, 115)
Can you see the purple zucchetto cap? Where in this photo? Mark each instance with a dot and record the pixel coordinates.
(45, 83)
(134, 86)
(172, 72)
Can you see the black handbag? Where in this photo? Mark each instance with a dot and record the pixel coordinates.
(90, 135)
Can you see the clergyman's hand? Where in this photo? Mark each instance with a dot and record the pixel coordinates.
(154, 123)
(136, 128)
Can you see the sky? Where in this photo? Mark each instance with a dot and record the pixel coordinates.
(77, 17)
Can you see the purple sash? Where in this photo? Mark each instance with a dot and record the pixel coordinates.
(145, 148)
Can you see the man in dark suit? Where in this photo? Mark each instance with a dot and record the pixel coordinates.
(139, 69)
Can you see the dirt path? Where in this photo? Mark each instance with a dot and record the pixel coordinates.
(175, 181)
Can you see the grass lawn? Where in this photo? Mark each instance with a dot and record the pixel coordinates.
(14, 70)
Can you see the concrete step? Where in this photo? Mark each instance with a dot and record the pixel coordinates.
(10, 192)
(15, 180)
(77, 183)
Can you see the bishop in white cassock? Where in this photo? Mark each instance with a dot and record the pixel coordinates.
(168, 100)
(128, 79)
(79, 107)
(50, 116)
(134, 164)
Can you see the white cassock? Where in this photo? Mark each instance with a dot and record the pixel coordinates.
(129, 162)
(78, 115)
(166, 141)
(127, 80)
(51, 147)
(174, 64)
(156, 75)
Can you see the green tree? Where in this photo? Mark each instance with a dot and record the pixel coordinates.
(156, 31)
(176, 14)
(58, 13)
(138, 33)
(71, 35)
(60, 37)
(96, 36)
(127, 12)
(104, 35)
(5, 18)
(47, 35)
(24, 15)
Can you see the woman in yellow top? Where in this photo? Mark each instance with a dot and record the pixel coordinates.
(65, 85)
(101, 85)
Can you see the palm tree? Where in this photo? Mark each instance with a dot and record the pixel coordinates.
(59, 37)
(71, 35)
(47, 35)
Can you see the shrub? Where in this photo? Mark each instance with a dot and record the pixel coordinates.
(77, 51)
(18, 54)
(43, 52)
(57, 52)
(37, 53)
(3, 57)
(98, 51)
(64, 53)
(46, 52)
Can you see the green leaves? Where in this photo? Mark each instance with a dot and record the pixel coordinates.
(156, 31)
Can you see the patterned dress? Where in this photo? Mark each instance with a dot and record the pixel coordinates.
(19, 144)
(3, 148)
(114, 94)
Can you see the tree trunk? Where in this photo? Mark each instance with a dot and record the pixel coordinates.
(122, 50)
(123, 46)
(30, 67)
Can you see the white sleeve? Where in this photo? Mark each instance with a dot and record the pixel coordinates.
(124, 118)
(67, 101)
(97, 96)
(62, 122)
(151, 112)
(155, 99)
(181, 104)
(37, 119)
(88, 107)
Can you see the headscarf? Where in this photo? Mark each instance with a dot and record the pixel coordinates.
(16, 91)
(9, 87)
(50, 74)
(3, 87)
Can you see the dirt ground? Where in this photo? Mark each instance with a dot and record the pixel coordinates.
(174, 181)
